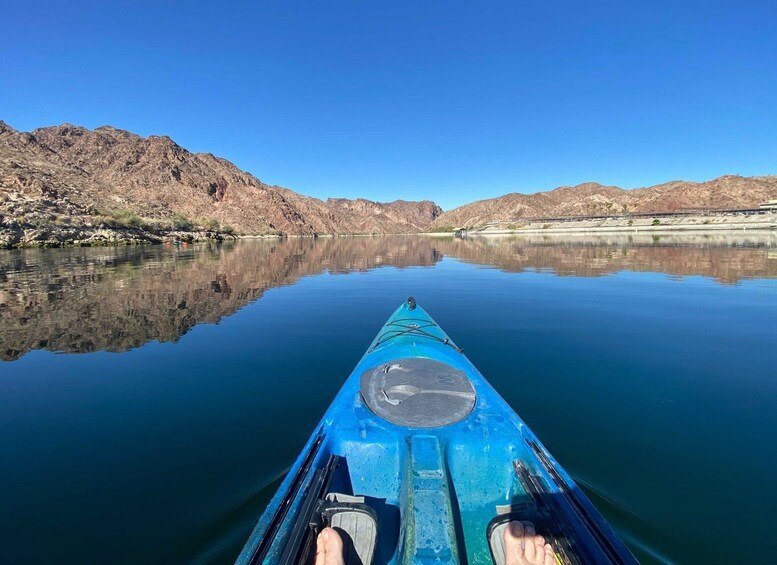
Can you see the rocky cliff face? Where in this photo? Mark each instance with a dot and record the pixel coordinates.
(595, 199)
(68, 175)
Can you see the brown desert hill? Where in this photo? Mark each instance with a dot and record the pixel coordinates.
(591, 199)
(78, 174)
(58, 180)
(407, 216)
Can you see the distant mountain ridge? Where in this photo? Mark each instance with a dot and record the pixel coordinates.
(72, 172)
(589, 199)
(67, 183)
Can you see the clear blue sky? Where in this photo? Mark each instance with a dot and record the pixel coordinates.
(446, 100)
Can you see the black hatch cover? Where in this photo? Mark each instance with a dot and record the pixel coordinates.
(418, 392)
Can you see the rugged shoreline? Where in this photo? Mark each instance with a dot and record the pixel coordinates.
(699, 224)
(17, 236)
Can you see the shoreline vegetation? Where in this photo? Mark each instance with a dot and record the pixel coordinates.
(126, 229)
(123, 227)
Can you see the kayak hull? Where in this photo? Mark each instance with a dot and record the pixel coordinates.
(434, 489)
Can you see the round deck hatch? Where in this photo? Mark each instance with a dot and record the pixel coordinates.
(418, 393)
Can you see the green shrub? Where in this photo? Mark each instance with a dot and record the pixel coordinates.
(126, 219)
(227, 229)
(180, 223)
(211, 224)
(656, 222)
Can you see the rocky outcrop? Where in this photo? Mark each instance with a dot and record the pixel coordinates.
(593, 199)
(56, 178)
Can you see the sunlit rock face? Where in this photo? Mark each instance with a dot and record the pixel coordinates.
(67, 176)
(593, 199)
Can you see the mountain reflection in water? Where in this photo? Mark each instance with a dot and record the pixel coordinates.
(117, 298)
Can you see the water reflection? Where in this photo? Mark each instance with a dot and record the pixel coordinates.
(724, 258)
(89, 299)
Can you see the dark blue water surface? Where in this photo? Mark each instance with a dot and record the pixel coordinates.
(152, 397)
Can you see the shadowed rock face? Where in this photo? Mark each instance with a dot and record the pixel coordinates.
(115, 299)
(68, 174)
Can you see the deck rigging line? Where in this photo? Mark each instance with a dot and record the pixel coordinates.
(413, 327)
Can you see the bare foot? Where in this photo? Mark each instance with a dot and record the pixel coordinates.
(329, 548)
(523, 547)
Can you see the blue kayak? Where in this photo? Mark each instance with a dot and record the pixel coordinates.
(419, 460)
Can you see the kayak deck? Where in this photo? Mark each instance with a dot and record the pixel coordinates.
(440, 459)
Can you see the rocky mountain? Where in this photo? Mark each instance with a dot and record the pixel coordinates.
(595, 199)
(69, 184)
(68, 175)
(399, 216)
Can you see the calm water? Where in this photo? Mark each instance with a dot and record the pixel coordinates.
(151, 398)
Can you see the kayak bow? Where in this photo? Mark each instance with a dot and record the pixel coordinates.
(419, 460)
